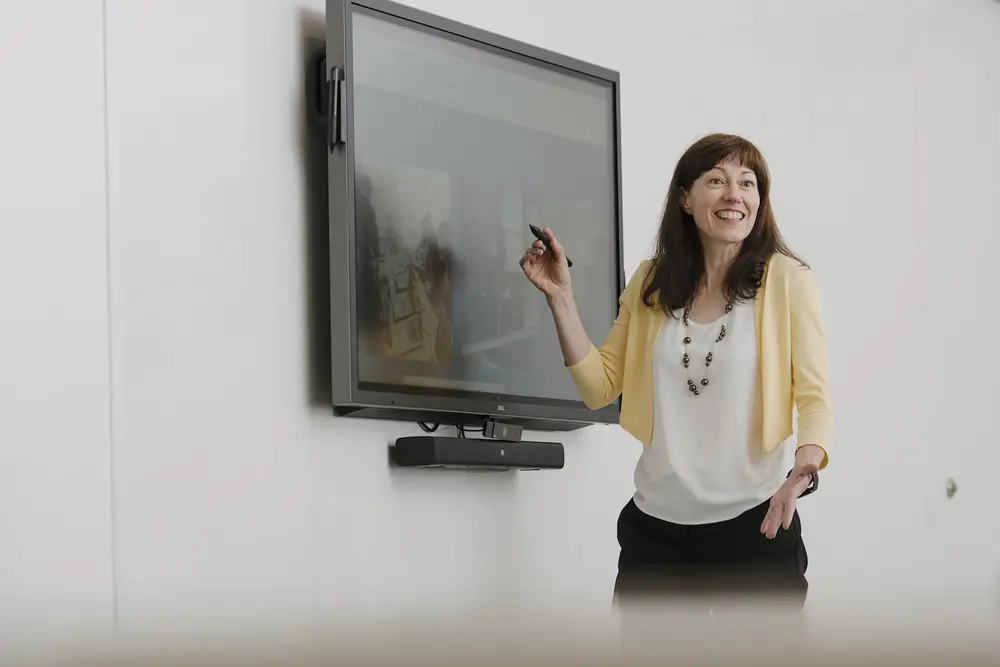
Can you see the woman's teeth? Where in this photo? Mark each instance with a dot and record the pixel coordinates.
(729, 215)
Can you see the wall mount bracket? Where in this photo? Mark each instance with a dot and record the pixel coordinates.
(325, 90)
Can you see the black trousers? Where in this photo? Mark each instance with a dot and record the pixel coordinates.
(729, 560)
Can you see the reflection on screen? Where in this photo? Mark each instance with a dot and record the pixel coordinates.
(457, 151)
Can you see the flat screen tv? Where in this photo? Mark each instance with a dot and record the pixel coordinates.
(445, 142)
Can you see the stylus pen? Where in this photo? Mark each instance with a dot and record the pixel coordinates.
(540, 235)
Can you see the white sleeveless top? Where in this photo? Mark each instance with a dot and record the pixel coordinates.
(705, 463)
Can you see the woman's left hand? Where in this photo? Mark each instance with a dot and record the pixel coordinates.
(782, 508)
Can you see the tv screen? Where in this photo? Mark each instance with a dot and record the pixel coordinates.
(457, 148)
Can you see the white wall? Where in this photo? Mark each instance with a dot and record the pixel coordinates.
(235, 487)
(236, 492)
(55, 470)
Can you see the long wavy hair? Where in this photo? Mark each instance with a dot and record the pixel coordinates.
(679, 260)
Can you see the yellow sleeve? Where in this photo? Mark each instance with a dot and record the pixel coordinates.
(810, 385)
(598, 376)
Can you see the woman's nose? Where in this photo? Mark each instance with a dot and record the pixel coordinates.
(732, 194)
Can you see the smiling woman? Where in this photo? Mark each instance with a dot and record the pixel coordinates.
(717, 226)
(718, 338)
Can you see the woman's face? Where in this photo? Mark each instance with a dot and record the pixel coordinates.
(724, 202)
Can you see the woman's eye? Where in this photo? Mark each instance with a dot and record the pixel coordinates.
(716, 181)
(748, 184)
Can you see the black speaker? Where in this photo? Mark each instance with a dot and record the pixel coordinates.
(430, 451)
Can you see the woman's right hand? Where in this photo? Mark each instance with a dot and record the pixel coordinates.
(547, 270)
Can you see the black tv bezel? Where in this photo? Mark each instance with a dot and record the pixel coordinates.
(349, 397)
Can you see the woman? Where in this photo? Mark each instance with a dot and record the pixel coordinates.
(717, 337)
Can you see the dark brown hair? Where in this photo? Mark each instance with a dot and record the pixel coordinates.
(679, 261)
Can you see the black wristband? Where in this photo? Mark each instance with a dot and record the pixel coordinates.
(813, 483)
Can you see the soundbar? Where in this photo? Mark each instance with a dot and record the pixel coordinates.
(431, 451)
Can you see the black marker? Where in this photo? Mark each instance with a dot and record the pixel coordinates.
(540, 235)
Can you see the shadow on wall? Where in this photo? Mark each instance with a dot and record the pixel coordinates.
(312, 35)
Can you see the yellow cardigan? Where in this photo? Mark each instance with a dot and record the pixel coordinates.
(791, 347)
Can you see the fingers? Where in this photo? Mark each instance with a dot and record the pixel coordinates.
(779, 515)
(534, 252)
(535, 249)
(789, 513)
(531, 255)
(772, 520)
(557, 248)
(765, 525)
